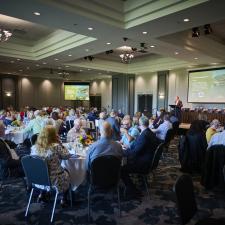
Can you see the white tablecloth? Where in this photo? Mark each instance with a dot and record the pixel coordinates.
(76, 168)
(16, 136)
(76, 165)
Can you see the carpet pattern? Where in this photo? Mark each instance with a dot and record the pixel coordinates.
(160, 209)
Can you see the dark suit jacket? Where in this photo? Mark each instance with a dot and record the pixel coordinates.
(142, 152)
(212, 175)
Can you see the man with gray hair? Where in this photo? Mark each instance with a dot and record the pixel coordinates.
(104, 146)
(140, 155)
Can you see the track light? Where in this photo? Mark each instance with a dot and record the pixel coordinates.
(109, 52)
(195, 32)
(207, 29)
(90, 58)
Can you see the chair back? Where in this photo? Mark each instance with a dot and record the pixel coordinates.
(224, 172)
(176, 126)
(105, 171)
(157, 156)
(69, 124)
(36, 170)
(186, 202)
(169, 137)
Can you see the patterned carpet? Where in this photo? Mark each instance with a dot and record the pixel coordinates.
(160, 209)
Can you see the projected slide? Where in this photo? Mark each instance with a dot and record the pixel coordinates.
(207, 86)
(76, 91)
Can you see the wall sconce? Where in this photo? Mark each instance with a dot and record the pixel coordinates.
(161, 96)
(8, 94)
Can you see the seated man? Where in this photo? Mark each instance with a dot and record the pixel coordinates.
(8, 157)
(140, 156)
(76, 131)
(163, 128)
(129, 133)
(214, 125)
(104, 146)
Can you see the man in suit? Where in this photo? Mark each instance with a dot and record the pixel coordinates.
(140, 155)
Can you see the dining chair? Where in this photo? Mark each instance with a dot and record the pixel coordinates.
(37, 177)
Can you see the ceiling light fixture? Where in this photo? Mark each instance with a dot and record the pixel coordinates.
(36, 13)
(128, 53)
(5, 35)
(44, 63)
(186, 20)
(69, 55)
(108, 43)
(176, 53)
(90, 58)
(144, 32)
(195, 32)
(126, 57)
(56, 59)
(195, 58)
(90, 28)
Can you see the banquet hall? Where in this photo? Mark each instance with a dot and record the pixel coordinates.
(137, 82)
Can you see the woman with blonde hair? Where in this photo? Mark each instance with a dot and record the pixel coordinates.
(49, 148)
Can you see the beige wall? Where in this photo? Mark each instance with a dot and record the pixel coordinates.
(104, 88)
(40, 92)
(146, 83)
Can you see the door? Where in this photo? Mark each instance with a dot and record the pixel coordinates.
(96, 101)
(145, 104)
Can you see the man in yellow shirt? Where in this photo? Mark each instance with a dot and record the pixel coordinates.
(212, 129)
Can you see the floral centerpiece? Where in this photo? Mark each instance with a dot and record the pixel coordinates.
(16, 123)
(86, 140)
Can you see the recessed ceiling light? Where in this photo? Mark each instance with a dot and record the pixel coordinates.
(144, 32)
(90, 28)
(186, 20)
(21, 70)
(108, 43)
(69, 55)
(44, 63)
(67, 66)
(18, 59)
(176, 53)
(36, 13)
(195, 58)
(152, 46)
(87, 50)
(56, 59)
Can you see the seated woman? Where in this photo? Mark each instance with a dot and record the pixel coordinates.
(8, 158)
(76, 131)
(48, 147)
